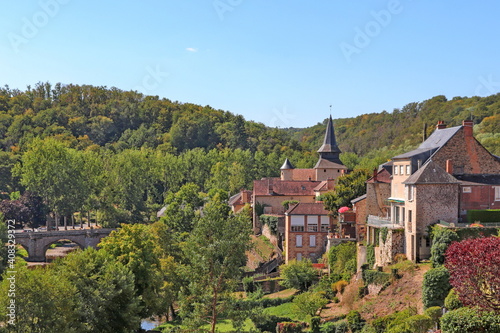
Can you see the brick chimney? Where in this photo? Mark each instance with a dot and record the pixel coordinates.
(468, 126)
(245, 196)
(375, 174)
(449, 166)
(440, 125)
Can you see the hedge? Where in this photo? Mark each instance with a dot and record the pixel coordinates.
(470, 320)
(452, 301)
(483, 216)
(354, 321)
(375, 277)
(435, 287)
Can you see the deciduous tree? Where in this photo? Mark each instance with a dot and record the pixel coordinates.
(474, 266)
(298, 274)
(106, 298)
(216, 253)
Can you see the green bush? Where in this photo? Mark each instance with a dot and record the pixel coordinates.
(248, 284)
(370, 255)
(298, 274)
(325, 286)
(315, 324)
(328, 327)
(434, 312)
(452, 301)
(342, 259)
(470, 320)
(418, 323)
(441, 239)
(383, 324)
(375, 277)
(467, 233)
(268, 323)
(483, 216)
(308, 303)
(368, 329)
(271, 221)
(354, 321)
(435, 287)
(331, 326)
(341, 326)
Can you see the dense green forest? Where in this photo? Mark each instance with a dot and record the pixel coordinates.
(120, 153)
(120, 156)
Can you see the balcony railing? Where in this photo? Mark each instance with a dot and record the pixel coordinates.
(381, 222)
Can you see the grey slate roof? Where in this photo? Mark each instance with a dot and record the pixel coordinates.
(439, 137)
(429, 147)
(479, 179)
(287, 165)
(327, 164)
(363, 197)
(329, 142)
(431, 173)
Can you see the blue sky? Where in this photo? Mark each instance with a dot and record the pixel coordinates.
(282, 63)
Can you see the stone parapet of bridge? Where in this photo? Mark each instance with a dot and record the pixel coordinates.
(37, 243)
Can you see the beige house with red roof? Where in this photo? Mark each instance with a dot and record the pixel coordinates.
(306, 231)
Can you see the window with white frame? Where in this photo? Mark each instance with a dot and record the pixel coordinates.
(312, 240)
(312, 223)
(408, 169)
(297, 223)
(299, 256)
(497, 193)
(467, 189)
(410, 189)
(298, 240)
(401, 170)
(325, 223)
(396, 168)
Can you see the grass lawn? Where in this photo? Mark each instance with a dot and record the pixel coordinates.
(284, 310)
(222, 326)
(282, 294)
(264, 247)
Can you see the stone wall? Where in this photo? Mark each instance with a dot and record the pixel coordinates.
(393, 245)
(468, 156)
(376, 194)
(435, 202)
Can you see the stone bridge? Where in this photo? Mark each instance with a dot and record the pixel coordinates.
(37, 243)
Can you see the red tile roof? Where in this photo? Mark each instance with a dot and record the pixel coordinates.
(284, 187)
(303, 174)
(383, 176)
(308, 209)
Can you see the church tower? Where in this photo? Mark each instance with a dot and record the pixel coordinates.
(329, 165)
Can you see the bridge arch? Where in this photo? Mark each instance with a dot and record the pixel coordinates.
(47, 247)
(37, 243)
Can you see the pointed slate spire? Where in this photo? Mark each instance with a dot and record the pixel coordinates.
(329, 150)
(287, 165)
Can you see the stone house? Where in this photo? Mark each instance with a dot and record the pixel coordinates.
(448, 174)
(240, 200)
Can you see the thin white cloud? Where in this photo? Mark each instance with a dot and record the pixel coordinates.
(191, 49)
